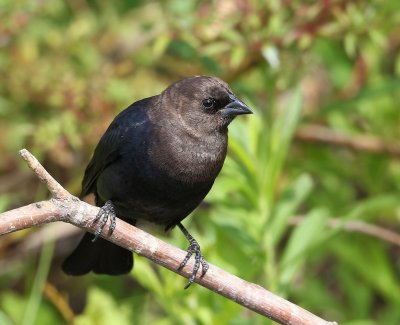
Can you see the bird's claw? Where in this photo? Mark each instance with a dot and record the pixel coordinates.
(106, 211)
(194, 248)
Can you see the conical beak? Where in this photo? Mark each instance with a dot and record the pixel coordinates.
(235, 107)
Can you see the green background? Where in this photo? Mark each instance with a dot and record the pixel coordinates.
(291, 214)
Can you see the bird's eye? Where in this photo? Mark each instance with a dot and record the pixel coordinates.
(208, 102)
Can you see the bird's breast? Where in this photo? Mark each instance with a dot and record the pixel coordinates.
(190, 160)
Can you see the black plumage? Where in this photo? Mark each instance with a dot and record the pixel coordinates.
(157, 160)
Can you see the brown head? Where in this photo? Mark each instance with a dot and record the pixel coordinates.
(204, 102)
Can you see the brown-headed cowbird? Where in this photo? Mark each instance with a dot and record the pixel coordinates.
(156, 162)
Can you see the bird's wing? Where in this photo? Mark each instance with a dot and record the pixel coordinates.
(105, 154)
(111, 143)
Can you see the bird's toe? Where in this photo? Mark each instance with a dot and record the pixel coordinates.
(107, 211)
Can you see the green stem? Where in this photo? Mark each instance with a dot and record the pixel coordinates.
(35, 297)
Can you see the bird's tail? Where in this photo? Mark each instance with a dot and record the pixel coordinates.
(101, 256)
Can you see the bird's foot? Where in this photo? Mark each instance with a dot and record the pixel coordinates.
(106, 211)
(194, 248)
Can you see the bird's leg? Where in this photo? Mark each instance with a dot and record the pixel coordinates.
(194, 248)
(106, 211)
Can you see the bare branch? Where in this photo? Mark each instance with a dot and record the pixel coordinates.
(65, 207)
(358, 226)
(365, 143)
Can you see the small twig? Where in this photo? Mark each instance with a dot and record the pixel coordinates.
(67, 208)
(57, 191)
(59, 302)
(366, 143)
(358, 226)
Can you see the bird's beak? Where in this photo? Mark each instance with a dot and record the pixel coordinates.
(235, 107)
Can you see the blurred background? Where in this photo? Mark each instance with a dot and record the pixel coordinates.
(308, 202)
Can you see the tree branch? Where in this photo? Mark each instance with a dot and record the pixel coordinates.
(67, 208)
(360, 226)
(364, 143)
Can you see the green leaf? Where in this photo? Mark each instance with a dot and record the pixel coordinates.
(304, 237)
(102, 309)
(146, 276)
(285, 208)
(4, 319)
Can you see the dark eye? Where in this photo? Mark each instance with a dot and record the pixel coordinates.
(208, 102)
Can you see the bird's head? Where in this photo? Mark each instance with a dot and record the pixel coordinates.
(205, 102)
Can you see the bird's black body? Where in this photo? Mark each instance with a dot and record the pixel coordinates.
(156, 162)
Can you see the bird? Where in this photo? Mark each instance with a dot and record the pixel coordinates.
(156, 162)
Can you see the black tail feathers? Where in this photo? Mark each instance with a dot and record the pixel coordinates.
(101, 257)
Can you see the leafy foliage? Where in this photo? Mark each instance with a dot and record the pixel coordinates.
(67, 68)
